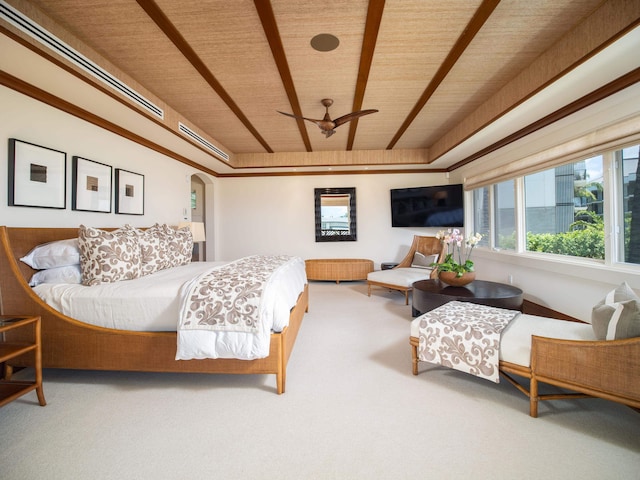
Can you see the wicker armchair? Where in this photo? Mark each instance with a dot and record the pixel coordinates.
(402, 276)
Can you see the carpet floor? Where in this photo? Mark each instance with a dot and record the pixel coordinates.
(352, 410)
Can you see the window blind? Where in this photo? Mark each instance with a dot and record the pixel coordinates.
(617, 135)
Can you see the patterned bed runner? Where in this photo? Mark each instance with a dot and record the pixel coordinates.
(464, 336)
(228, 298)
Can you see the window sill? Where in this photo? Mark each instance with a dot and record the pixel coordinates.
(582, 268)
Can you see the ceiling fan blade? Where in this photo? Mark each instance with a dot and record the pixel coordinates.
(324, 125)
(317, 122)
(350, 116)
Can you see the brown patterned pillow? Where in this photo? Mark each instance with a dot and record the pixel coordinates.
(107, 257)
(179, 245)
(174, 246)
(151, 255)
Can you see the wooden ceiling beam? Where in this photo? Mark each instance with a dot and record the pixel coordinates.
(371, 29)
(270, 27)
(468, 34)
(172, 33)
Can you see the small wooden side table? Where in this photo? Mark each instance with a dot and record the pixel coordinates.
(12, 345)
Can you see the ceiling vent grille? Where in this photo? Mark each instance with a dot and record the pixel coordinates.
(46, 38)
(194, 136)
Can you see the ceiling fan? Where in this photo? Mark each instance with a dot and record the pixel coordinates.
(327, 125)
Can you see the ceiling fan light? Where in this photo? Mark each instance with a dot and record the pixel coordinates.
(325, 42)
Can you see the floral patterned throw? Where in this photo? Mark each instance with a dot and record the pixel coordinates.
(464, 336)
(229, 297)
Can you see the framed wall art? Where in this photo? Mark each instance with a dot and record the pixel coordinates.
(129, 192)
(91, 185)
(37, 176)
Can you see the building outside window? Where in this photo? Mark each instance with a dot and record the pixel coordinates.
(563, 209)
(627, 170)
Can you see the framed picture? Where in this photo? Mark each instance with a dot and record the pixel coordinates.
(37, 176)
(129, 192)
(91, 186)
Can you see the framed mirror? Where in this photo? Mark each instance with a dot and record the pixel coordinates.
(335, 210)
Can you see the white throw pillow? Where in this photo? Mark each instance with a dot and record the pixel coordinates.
(66, 274)
(617, 315)
(53, 254)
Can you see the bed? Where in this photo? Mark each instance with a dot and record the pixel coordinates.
(73, 344)
(560, 351)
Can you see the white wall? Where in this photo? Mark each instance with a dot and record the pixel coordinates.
(167, 182)
(276, 215)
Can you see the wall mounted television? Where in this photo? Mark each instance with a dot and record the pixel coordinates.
(435, 206)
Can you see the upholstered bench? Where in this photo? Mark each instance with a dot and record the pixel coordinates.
(599, 360)
(338, 269)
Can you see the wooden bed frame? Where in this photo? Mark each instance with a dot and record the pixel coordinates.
(69, 343)
(608, 369)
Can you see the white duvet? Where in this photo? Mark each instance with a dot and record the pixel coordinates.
(152, 303)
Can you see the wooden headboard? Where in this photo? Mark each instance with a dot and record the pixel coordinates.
(20, 241)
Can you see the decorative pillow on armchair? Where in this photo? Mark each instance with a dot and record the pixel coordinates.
(617, 315)
(423, 261)
(107, 257)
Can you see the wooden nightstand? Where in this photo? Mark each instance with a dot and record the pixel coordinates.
(9, 326)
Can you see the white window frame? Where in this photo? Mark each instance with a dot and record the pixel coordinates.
(566, 264)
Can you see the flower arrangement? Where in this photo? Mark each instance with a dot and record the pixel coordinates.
(454, 240)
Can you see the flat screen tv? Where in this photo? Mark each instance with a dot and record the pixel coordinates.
(439, 206)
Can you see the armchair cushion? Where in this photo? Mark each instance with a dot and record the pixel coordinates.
(402, 277)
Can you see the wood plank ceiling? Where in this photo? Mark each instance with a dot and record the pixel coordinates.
(226, 67)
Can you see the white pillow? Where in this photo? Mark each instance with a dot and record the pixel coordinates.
(423, 261)
(617, 315)
(66, 274)
(53, 254)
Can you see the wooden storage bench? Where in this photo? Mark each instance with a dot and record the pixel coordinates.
(338, 269)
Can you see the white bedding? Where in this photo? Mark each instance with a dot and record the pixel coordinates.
(152, 302)
(275, 282)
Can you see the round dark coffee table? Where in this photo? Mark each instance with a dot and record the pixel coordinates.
(429, 294)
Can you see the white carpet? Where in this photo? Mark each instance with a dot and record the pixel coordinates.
(352, 410)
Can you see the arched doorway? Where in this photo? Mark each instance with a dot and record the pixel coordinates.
(198, 213)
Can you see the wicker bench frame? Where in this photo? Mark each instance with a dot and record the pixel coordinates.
(338, 269)
(605, 369)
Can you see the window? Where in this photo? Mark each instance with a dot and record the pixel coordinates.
(627, 169)
(505, 215)
(504, 234)
(481, 213)
(564, 209)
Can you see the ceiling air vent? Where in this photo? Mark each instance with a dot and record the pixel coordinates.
(28, 26)
(208, 145)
